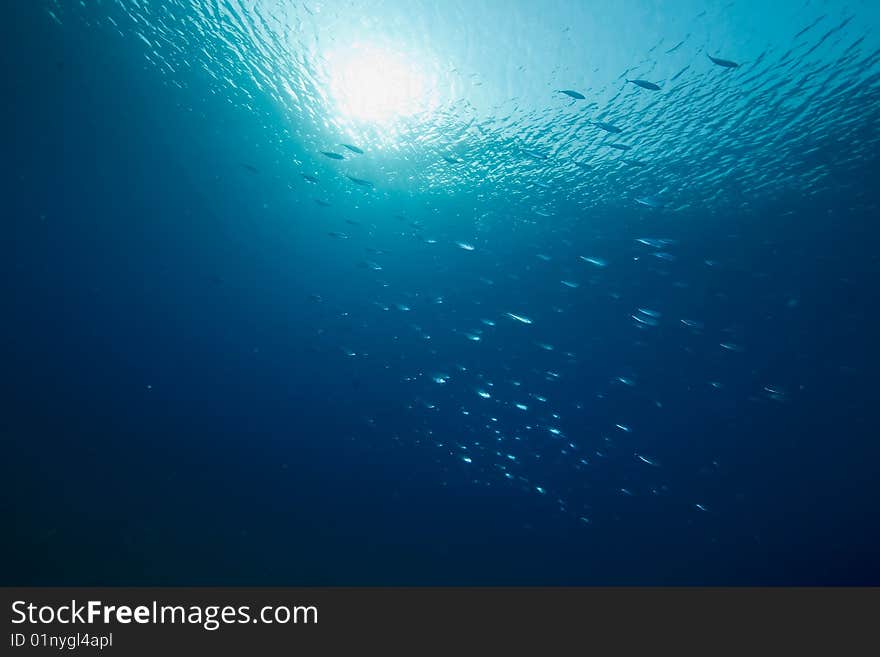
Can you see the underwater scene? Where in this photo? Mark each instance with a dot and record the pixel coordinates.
(435, 292)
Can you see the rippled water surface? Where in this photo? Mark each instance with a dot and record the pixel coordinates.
(452, 292)
(479, 83)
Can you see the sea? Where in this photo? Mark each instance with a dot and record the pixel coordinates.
(423, 292)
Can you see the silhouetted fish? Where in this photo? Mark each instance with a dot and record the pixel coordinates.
(309, 179)
(360, 181)
(675, 47)
(652, 201)
(451, 159)
(726, 63)
(620, 147)
(332, 155)
(607, 127)
(353, 149)
(644, 84)
(323, 204)
(250, 167)
(572, 94)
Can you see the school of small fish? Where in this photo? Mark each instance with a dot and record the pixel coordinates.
(537, 402)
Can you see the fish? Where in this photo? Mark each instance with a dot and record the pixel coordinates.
(644, 320)
(726, 63)
(332, 155)
(650, 201)
(572, 94)
(250, 167)
(620, 147)
(451, 159)
(675, 47)
(655, 242)
(323, 204)
(338, 235)
(519, 318)
(644, 84)
(360, 181)
(353, 149)
(309, 179)
(607, 127)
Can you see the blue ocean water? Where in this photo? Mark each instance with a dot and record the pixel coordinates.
(440, 292)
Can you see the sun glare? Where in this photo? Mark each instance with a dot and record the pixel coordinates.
(377, 86)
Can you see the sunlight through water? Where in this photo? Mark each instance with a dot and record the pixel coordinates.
(372, 88)
(529, 239)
